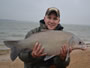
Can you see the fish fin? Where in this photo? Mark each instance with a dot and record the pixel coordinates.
(68, 55)
(14, 50)
(14, 53)
(10, 43)
(48, 57)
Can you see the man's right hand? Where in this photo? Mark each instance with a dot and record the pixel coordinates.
(37, 50)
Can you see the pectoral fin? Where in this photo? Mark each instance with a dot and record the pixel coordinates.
(48, 57)
(68, 55)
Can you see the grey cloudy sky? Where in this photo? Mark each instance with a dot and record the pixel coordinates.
(72, 11)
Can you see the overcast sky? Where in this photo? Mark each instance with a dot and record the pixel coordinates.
(72, 11)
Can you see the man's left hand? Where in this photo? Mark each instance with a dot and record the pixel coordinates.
(63, 52)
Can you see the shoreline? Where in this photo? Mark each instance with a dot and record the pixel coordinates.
(79, 59)
(4, 49)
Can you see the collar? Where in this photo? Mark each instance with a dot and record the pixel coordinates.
(43, 26)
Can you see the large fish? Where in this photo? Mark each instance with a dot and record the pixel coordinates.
(51, 40)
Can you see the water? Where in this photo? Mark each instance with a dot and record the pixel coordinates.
(82, 31)
(16, 30)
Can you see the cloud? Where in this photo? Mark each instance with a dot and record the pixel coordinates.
(34, 10)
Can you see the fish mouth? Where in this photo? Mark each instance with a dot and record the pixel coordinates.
(82, 47)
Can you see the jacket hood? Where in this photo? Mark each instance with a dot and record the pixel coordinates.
(42, 25)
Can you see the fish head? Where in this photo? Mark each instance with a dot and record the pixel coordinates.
(76, 43)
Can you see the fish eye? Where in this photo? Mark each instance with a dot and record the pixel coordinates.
(80, 42)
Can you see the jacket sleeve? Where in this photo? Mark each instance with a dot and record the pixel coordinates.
(61, 63)
(38, 29)
(25, 54)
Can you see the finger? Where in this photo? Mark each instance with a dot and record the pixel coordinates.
(38, 48)
(63, 50)
(62, 54)
(35, 46)
(41, 51)
(44, 54)
(70, 49)
(33, 54)
(34, 49)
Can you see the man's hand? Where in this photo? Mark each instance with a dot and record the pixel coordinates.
(38, 51)
(63, 52)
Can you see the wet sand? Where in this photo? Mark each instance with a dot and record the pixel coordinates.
(79, 59)
(5, 62)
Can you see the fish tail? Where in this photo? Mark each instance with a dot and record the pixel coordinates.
(14, 50)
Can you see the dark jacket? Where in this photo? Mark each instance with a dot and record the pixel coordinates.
(30, 62)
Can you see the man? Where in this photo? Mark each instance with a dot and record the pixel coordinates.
(35, 58)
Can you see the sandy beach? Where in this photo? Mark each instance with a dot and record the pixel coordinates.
(79, 59)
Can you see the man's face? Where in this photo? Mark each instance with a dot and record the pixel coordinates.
(51, 21)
